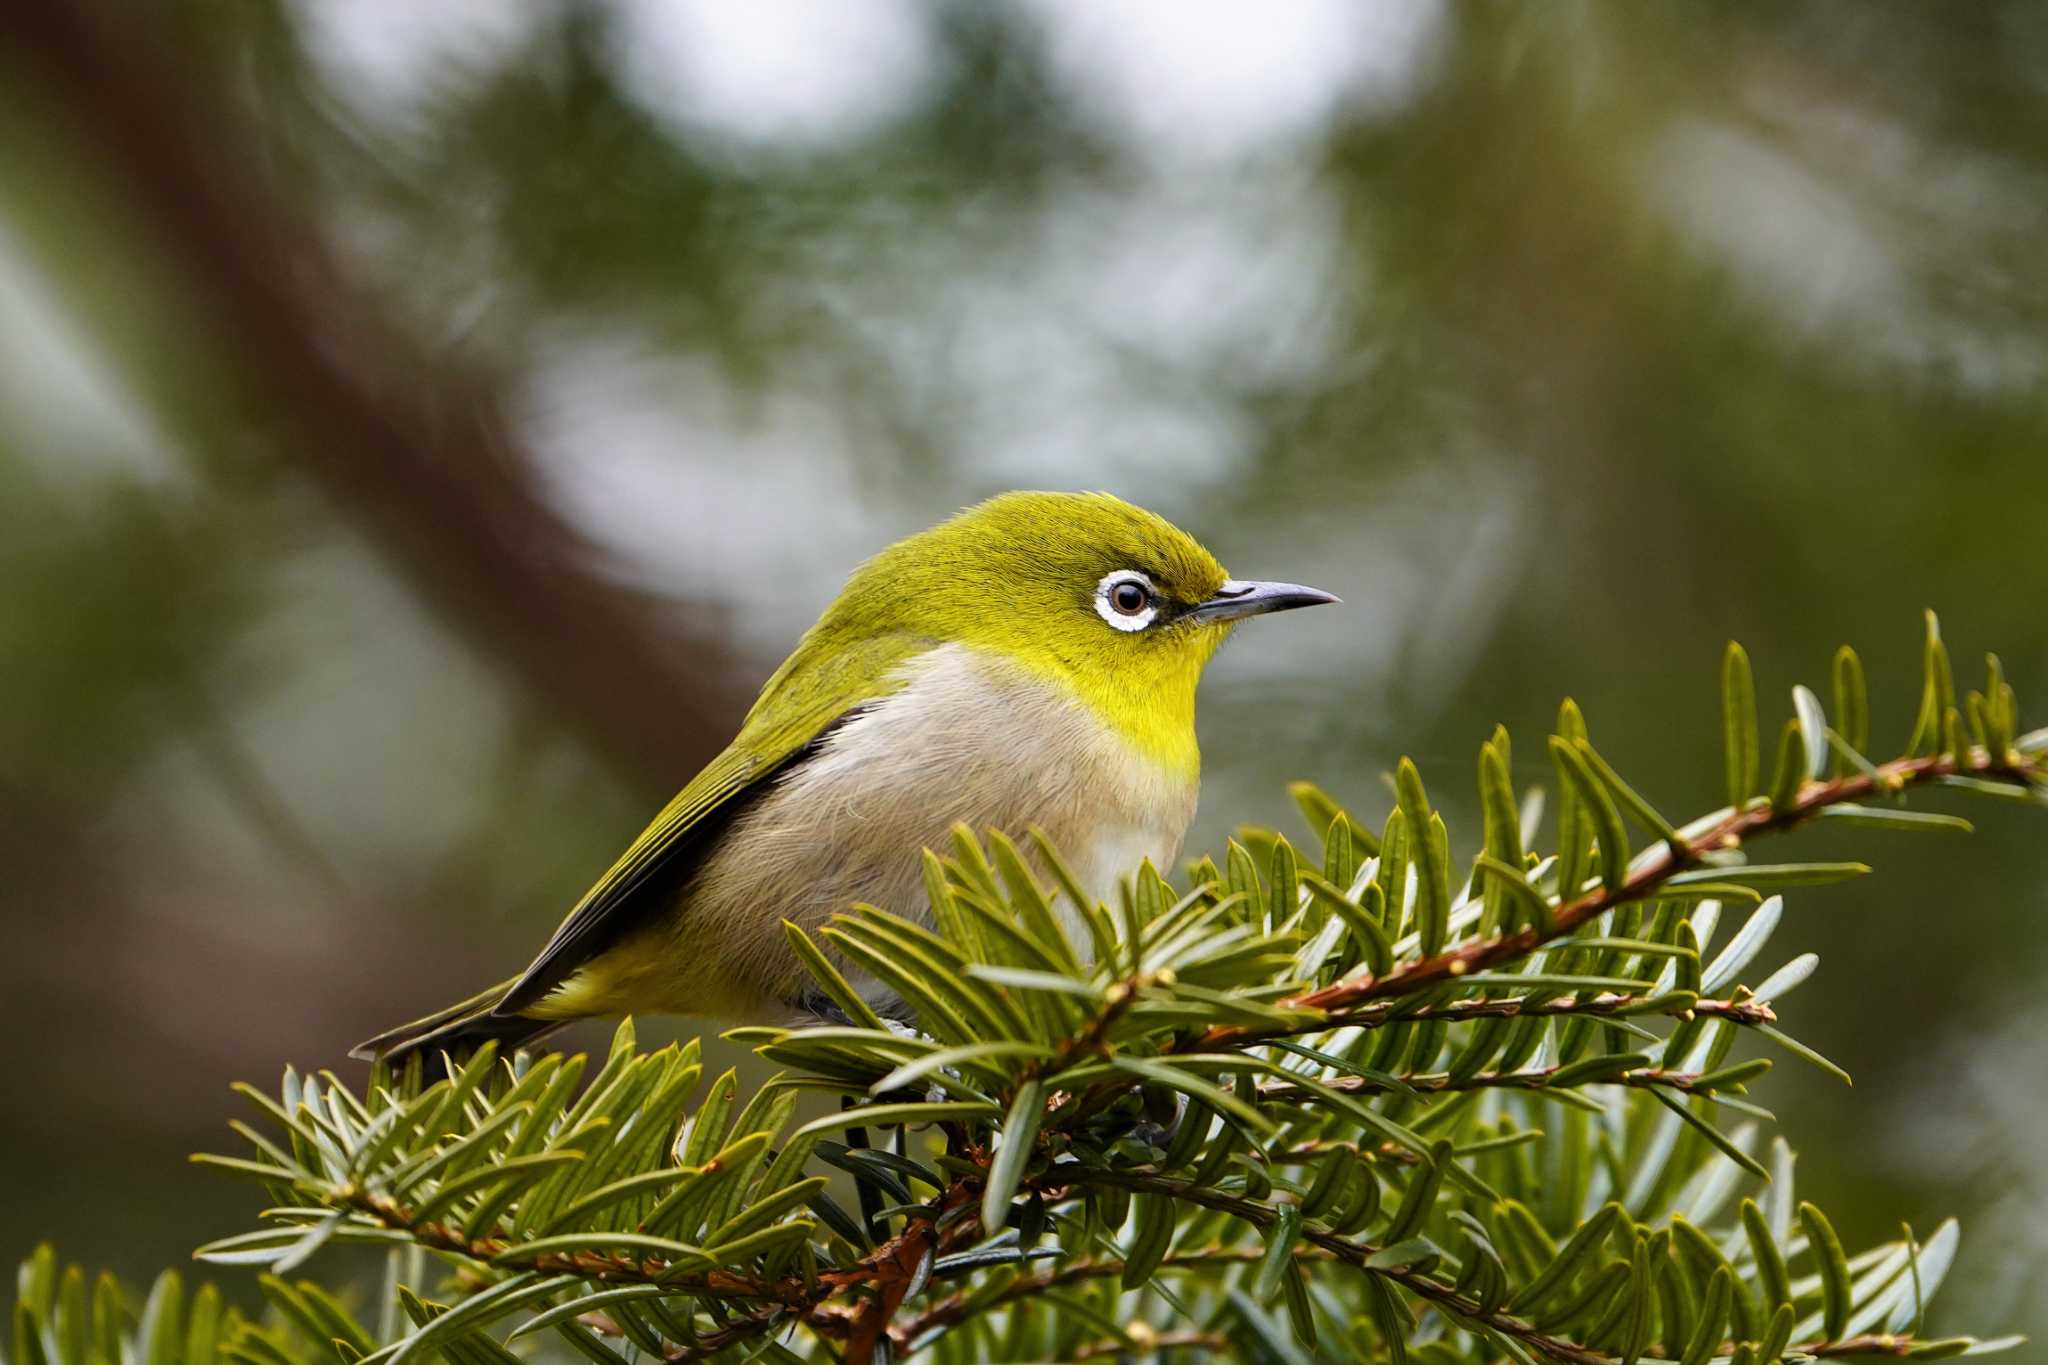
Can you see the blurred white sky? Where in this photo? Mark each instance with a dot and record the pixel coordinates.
(1054, 344)
(775, 74)
(1219, 80)
(1062, 346)
(57, 384)
(1177, 79)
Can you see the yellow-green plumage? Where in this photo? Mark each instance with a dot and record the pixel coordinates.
(981, 671)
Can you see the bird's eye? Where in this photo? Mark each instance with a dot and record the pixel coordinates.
(1126, 599)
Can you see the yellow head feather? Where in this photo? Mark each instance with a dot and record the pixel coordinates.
(1021, 576)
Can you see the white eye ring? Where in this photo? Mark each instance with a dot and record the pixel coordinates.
(1105, 605)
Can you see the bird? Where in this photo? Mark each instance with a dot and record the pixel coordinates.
(1030, 662)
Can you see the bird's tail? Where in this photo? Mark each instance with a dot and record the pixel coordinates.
(459, 1029)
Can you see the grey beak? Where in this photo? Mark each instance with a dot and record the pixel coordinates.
(1240, 597)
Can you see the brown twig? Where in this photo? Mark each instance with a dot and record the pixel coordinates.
(898, 1268)
(1147, 1340)
(711, 1343)
(1605, 1005)
(612, 1269)
(1870, 1344)
(1437, 1083)
(956, 1309)
(884, 1276)
(901, 1263)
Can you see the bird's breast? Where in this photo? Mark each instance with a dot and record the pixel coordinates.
(970, 738)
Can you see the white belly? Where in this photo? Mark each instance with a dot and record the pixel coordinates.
(972, 739)
(1111, 853)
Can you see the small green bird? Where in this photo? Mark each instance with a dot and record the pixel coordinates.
(1031, 661)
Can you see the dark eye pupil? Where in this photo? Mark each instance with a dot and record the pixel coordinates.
(1128, 598)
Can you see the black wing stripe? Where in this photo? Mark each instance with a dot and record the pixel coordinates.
(602, 923)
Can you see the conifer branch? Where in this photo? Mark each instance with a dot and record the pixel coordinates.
(1277, 1097)
(1726, 835)
(1358, 1255)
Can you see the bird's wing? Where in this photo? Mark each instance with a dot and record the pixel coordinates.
(814, 692)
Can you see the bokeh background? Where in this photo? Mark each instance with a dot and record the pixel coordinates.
(423, 425)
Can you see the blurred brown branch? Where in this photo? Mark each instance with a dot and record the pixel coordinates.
(422, 460)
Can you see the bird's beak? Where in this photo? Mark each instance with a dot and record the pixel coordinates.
(1240, 597)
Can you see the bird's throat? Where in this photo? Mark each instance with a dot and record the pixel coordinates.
(1147, 701)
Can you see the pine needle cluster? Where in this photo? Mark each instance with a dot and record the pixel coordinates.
(1360, 1102)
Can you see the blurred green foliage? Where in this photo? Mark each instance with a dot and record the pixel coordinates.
(351, 369)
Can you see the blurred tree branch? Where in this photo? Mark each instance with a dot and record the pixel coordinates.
(423, 460)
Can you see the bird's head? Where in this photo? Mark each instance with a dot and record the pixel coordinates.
(1111, 600)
